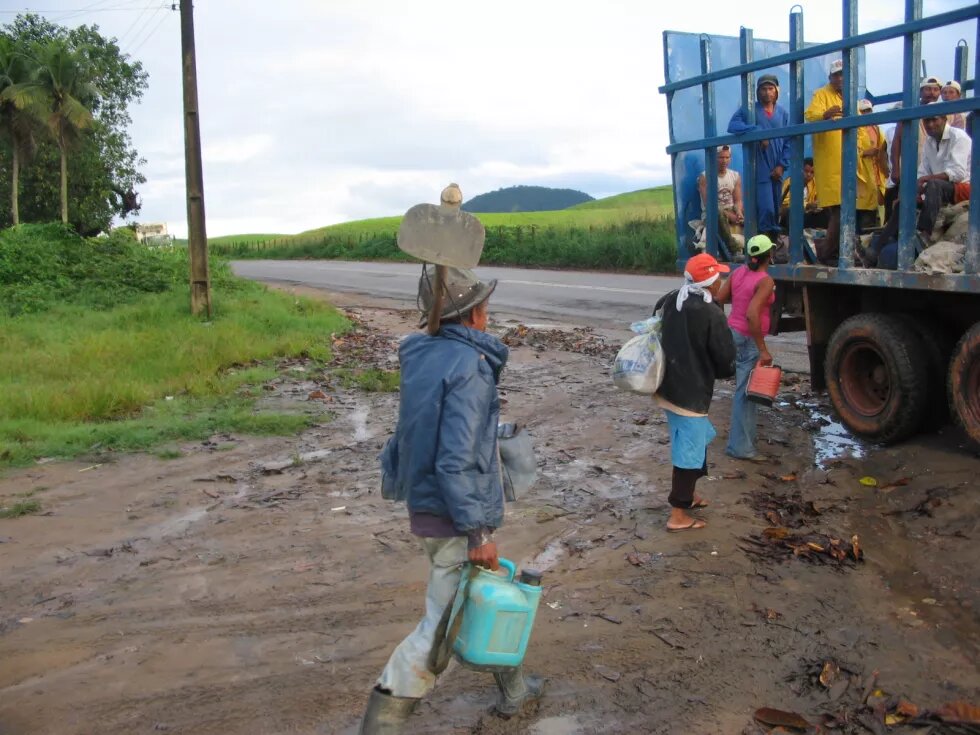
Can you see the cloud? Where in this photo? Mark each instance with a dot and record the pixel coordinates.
(318, 112)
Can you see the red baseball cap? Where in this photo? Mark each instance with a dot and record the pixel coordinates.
(703, 266)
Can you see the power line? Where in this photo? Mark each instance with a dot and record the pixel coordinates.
(137, 26)
(83, 10)
(94, 7)
(150, 34)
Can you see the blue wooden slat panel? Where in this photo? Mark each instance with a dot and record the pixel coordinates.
(686, 110)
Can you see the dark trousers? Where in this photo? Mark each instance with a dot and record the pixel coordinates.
(937, 193)
(816, 219)
(768, 195)
(891, 198)
(682, 485)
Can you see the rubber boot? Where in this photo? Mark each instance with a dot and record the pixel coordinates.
(386, 714)
(516, 690)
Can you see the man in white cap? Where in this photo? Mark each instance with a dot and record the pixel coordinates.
(443, 462)
(828, 104)
(950, 92)
(872, 171)
(930, 89)
(943, 178)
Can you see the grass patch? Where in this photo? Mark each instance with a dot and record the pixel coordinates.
(370, 380)
(76, 379)
(75, 364)
(181, 419)
(169, 454)
(20, 508)
(42, 266)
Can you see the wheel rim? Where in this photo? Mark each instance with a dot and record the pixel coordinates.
(864, 379)
(971, 385)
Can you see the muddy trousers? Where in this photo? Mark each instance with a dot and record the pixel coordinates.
(406, 673)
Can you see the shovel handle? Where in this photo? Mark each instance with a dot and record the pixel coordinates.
(438, 291)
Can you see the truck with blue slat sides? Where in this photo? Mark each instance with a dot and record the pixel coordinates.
(897, 350)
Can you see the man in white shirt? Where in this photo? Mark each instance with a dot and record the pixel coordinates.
(945, 162)
(730, 212)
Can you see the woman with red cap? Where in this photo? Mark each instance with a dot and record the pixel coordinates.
(699, 349)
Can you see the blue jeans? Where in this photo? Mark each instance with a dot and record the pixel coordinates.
(741, 434)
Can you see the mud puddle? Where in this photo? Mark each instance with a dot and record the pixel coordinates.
(265, 594)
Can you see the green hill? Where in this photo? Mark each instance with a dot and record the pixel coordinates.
(632, 231)
(645, 204)
(526, 199)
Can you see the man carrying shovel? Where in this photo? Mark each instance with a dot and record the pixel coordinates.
(443, 461)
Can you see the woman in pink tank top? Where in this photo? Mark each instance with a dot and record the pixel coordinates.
(751, 291)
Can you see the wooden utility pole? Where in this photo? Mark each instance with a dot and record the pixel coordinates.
(197, 238)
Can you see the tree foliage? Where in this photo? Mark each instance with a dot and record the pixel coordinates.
(526, 199)
(102, 167)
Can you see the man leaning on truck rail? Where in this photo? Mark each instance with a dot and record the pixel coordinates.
(943, 178)
(772, 156)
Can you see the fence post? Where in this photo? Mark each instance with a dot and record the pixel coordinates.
(746, 43)
(910, 142)
(710, 154)
(849, 151)
(795, 118)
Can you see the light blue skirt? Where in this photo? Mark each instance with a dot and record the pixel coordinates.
(689, 440)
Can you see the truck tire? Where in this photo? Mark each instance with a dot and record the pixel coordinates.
(877, 377)
(963, 383)
(938, 343)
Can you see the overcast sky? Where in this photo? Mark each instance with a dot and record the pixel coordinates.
(315, 112)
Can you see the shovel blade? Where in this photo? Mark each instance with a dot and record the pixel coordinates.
(442, 235)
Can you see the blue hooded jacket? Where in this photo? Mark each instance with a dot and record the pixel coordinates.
(443, 457)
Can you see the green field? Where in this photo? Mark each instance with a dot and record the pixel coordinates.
(646, 204)
(632, 232)
(225, 239)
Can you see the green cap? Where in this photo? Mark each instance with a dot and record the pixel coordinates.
(757, 245)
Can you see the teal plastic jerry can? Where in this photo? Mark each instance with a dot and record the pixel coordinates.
(498, 615)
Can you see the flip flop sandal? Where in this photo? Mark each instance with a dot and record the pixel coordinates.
(692, 526)
(698, 505)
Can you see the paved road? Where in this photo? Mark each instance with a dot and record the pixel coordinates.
(605, 300)
(593, 298)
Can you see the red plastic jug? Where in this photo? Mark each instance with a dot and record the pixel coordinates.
(764, 384)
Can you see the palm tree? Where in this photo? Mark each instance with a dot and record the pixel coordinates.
(62, 84)
(18, 124)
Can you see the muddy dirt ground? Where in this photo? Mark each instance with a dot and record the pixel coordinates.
(257, 586)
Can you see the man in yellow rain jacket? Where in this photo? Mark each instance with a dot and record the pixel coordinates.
(828, 104)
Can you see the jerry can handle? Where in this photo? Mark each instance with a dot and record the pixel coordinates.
(510, 566)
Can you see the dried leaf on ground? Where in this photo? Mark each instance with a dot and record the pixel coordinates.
(781, 718)
(901, 482)
(780, 543)
(958, 713)
(783, 509)
(829, 674)
(581, 340)
(638, 558)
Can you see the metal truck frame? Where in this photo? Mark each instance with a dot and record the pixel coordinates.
(898, 351)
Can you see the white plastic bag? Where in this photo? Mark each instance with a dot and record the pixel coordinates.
(639, 366)
(518, 464)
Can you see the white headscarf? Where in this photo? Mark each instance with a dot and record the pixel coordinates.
(701, 289)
